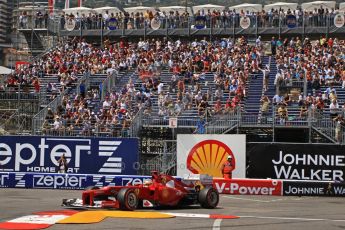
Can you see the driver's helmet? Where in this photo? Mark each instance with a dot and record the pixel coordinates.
(147, 182)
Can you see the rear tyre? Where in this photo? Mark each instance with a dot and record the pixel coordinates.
(208, 198)
(128, 199)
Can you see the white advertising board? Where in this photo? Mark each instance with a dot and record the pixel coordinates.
(206, 154)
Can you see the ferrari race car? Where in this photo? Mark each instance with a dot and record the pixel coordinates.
(161, 190)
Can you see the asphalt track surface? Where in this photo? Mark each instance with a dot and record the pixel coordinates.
(256, 212)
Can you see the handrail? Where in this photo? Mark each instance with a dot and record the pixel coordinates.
(241, 116)
(38, 119)
(328, 126)
(108, 84)
(8, 119)
(136, 124)
(15, 124)
(192, 22)
(163, 162)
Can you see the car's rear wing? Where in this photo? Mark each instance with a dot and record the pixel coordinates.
(194, 179)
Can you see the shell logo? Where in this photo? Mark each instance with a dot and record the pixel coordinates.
(208, 157)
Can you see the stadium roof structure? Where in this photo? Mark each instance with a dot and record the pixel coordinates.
(247, 7)
(110, 9)
(180, 9)
(310, 6)
(5, 71)
(281, 5)
(140, 9)
(80, 10)
(207, 7)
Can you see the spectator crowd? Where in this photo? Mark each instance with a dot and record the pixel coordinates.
(227, 18)
(211, 18)
(230, 62)
(321, 63)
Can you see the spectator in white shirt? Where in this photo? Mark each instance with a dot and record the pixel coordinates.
(333, 109)
(106, 103)
(160, 87)
(57, 123)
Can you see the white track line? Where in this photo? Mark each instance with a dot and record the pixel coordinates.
(190, 215)
(290, 218)
(216, 224)
(239, 198)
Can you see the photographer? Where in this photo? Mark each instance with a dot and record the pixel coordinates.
(62, 168)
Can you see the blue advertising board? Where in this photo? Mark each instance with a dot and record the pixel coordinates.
(200, 22)
(112, 24)
(291, 21)
(7, 180)
(66, 181)
(115, 156)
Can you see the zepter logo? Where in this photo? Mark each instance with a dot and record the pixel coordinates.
(208, 157)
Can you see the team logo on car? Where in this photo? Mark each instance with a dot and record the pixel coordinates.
(208, 157)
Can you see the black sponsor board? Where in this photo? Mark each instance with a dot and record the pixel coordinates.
(296, 161)
(309, 188)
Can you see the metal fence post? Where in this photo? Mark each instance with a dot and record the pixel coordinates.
(303, 21)
(342, 135)
(81, 29)
(123, 28)
(238, 116)
(211, 27)
(256, 25)
(102, 33)
(189, 25)
(279, 26)
(327, 25)
(233, 27)
(309, 123)
(273, 122)
(144, 30)
(167, 27)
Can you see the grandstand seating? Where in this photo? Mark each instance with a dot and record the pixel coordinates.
(246, 114)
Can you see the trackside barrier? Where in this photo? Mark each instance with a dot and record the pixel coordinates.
(224, 186)
(248, 186)
(84, 155)
(65, 181)
(279, 187)
(313, 188)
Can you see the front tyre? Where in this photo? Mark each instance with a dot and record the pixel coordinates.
(128, 199)
(208, 198)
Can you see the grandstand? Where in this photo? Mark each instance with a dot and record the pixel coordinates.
(130, 82)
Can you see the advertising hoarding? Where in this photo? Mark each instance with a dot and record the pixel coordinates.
(296, 161)
(308, 188)
(248, 187)
(205, 154)
(114, 156)
(66, 181)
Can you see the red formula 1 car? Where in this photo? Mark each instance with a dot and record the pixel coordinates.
(162, 190)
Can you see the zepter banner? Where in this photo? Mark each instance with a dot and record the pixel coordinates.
(206, 154)
(114, 156)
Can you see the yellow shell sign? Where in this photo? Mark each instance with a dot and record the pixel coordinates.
(208, 157)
